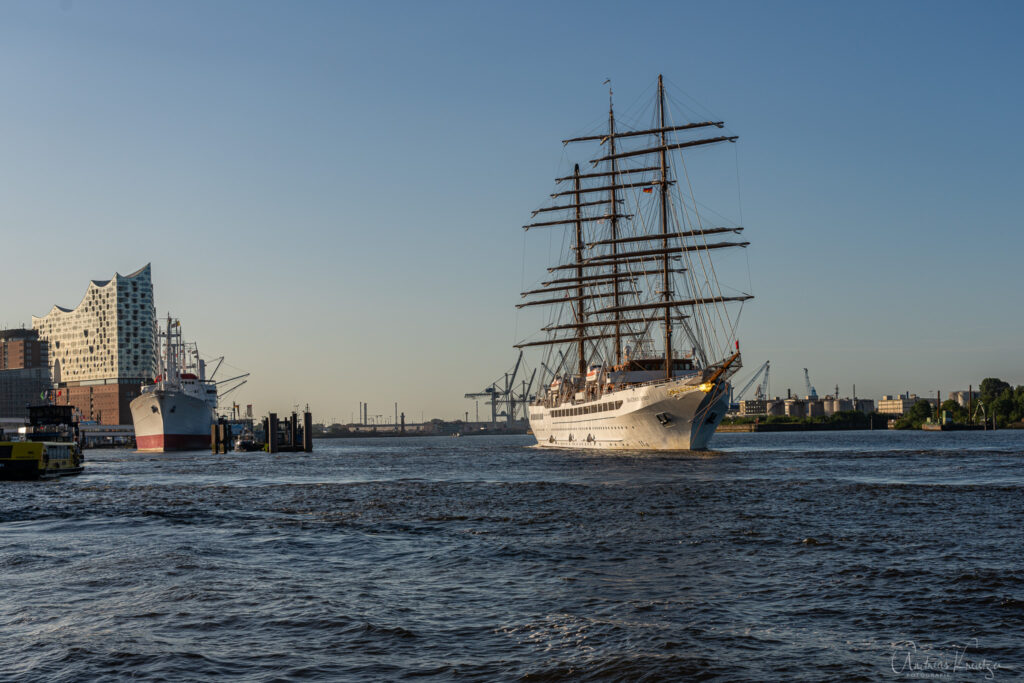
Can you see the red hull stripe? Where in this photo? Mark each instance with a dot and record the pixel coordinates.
(172, 442)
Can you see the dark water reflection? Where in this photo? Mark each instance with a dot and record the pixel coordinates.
(814, 556)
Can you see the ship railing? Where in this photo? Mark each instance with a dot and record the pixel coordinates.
(555, 403)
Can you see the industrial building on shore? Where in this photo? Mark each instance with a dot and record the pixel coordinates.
(809, 406)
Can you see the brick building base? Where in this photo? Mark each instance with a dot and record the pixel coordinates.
(106, 404)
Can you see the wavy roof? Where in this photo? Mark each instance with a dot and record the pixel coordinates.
(98, 284)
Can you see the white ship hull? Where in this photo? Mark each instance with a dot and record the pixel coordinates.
(170, 420)
(667, 416)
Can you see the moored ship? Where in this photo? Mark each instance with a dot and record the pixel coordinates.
(175, 413)
(637, 263)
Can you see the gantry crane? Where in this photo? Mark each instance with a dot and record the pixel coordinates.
(503, 392)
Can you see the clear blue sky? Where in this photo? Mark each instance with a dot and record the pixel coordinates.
(331, 193)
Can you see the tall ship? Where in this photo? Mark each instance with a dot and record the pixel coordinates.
(641, 337)
(176, 411)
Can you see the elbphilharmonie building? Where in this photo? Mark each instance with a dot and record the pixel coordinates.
(101, 351)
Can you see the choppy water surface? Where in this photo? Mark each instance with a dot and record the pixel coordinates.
(814, 556)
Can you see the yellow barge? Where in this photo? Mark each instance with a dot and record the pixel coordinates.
(51, 448)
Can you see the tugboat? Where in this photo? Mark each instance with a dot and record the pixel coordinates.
(246, 442)
(51, 449)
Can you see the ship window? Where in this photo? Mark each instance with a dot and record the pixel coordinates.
(618, 404)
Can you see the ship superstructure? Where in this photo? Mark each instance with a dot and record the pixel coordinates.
(637, 267)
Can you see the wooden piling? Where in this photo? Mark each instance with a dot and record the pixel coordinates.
(272, 433)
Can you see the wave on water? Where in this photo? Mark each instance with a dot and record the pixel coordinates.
(814, 558)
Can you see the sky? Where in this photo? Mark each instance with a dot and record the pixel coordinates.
(331, 194)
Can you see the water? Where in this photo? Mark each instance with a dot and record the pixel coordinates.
(848, 556)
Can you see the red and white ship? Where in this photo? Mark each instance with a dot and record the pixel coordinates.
(175, 413)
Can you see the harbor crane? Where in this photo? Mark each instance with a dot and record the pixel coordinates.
(502, 392)
(762, 388)
(812, 393)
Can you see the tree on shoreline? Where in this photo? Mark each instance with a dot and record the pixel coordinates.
(916, 416)
(1001, 400)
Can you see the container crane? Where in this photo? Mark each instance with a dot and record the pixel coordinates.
(502, 391)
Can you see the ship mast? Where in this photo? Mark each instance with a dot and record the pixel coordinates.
(578, 247)
(614, 271)
(615, 227)
(666, 295)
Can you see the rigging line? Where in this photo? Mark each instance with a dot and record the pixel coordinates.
(706, 262)
(522, 283)
(696, 335)
(710, 210)
(697, 103)
(737, 323)
(710, 263)
(702, 328)
(642, 229)
(692, 337)
(739, 201)
(699, 221)
(635, 110)
(651, 285)
(739, 189)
